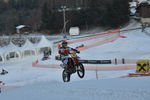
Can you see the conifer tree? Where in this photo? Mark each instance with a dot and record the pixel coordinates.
(45, 16)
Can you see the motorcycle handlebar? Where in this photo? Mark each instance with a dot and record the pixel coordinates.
(74, 51)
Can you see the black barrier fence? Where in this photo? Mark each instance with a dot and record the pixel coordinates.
(95, 61)
(115, 61)
(90, 61)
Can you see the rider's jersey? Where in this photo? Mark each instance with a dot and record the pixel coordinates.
(64, 52)
(1, 84)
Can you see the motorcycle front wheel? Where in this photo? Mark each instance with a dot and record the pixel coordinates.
(65, 76)
(80, 70)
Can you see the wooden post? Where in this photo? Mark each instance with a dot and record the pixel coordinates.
(115, 61)
(96, 74)
(123, 61)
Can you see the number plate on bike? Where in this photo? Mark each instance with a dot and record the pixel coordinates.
(73, 55)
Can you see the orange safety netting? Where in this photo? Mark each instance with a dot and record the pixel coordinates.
(95, 36)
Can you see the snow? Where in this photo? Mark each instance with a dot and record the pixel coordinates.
(112, 89)
(133, 11)
(20, 26)
(143, 1)
(24, 82)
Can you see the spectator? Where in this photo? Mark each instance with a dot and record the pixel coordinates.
(1, 85)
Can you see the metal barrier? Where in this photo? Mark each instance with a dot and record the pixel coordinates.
(112, 61)
(95, 61)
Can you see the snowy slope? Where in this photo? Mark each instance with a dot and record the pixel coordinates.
(23, 82)
(104, 89)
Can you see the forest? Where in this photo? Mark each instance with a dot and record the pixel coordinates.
(47, 15)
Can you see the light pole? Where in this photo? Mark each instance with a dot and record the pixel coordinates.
(64, 18)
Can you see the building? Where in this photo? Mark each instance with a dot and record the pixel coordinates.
(23, 29)
(144, 12)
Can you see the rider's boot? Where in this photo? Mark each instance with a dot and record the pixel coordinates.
(63, 65)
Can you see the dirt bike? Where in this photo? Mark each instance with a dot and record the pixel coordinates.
(73, 66)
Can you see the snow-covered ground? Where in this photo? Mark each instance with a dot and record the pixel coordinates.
(24, 82)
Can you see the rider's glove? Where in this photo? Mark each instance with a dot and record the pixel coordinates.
(78, 51)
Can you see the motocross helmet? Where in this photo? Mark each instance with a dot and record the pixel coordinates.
(64, 44)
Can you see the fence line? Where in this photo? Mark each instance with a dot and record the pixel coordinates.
(92, 68)
(98, 43)
(95, 36)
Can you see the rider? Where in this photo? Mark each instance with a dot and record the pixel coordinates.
(1, 85)
(64, 53)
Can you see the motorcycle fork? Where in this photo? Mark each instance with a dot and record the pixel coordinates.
(76, 67)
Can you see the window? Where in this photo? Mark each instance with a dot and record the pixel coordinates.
(27, 53)
(43, 49)
(12, 54)
(32, 52)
